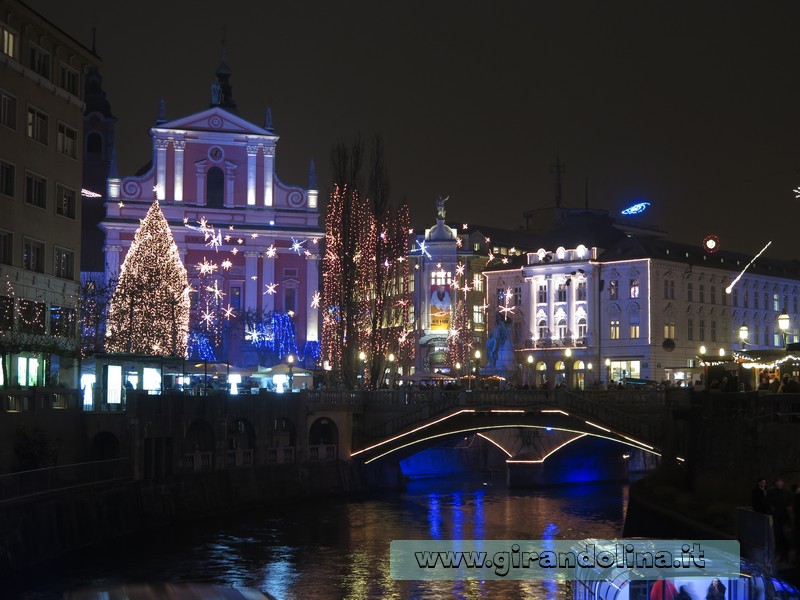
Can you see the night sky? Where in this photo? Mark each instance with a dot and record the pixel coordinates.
(691, 106)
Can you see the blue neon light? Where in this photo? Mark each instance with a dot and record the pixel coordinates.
(637, 208)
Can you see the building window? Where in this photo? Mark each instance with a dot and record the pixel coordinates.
(776, 303)
(444, 278)
(561, 293)
(561, 328)
(62, 321)
(37, 125)
(613, 289)
(702, 331)
(6, 247)
(6, 313)
(615, 329)
(67, 142)
(634, 331)
(581, 290)
(542, 327)
(8, 41)
(39, 61)
(713, 294)
(235, 297)
(35, 190)
(517, 296)
(541, 294)
(477, 314)
(755, 300)
(6, 178)
(33, 255)
(477, 282)
(215, 187)
(669, 289)
(8, 110)
(31, 316)
(735, 298)
(65, 201)
(689, 292)
(634, 288)
(289, 299)
(746, 299)
(669, 331)
(64, 263)
(713, 331)
(690, 330)
(702, 293)
(582, 328)
(69, 79)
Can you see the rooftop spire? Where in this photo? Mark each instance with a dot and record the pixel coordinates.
(221, 91)
(162, 112)
(312, 176)
(268, 120)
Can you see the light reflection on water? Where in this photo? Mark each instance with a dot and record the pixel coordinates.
(339, 549)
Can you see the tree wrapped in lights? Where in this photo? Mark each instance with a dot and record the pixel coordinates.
(149, 311)
(271, 334)
(459, 342)
(365, 271)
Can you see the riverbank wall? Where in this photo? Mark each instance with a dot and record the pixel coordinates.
(42, 527)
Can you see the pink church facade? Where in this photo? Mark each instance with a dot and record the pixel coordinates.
(250, 243)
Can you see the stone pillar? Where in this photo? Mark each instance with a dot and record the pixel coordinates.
(250, 300)
(230, 179)
(252, 155)
(112, 260)
(269, 173)
(161, 168)
(177, 193)
(200, 175)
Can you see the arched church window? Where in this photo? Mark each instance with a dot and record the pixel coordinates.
(215, 194)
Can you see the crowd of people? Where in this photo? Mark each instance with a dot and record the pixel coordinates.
(784, 505)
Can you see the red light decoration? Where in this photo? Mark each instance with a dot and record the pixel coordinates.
(711, 243)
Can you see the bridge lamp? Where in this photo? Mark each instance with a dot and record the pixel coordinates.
(783, 325)
(721, 352)
(362, 356)
(568, 354)
(608, 371)
(290, 362)
(744, 333)
(530, 359)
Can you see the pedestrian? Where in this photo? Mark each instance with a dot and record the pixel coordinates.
(716, 591)
(683, 594)
(780, 505)
(759, 496)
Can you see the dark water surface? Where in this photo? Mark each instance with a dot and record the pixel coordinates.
(339, 549)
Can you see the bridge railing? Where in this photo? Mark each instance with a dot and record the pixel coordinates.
(50, 479)
(634, 413)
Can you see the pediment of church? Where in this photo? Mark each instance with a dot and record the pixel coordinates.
(216, 120)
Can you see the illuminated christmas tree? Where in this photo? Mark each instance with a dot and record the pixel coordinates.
(149, 311)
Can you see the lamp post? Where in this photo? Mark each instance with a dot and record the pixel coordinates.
(568, 356)
(589, 368)
(705, 366)
(744, 333)
(362, 356)
(477, 366)
(290, 362)
(391, 369)
(530, 368)
(608, 371)
(783, 325)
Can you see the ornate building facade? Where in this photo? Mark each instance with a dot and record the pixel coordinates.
(249, 241)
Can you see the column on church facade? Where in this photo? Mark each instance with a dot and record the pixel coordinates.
(268, 277)
(230, 180)
(312, 286)
(161, 168)
(252, 155)
(251, 281)
(180, 147)
(269, 170)
(112, 252)
(200, 174)
(552, 289)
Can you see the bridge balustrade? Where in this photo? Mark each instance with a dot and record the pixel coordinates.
(39, 481)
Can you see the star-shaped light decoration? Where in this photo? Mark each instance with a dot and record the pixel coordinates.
(227, 264)
(185, 220)
(505, 260)
(464, 226)
(315, 240)
(460, 269)
(254, 277)
(121, 204)
(254, 236)
(234, 251)
(207, 317)
(459, 242)
(491, 257)
(297, 245)
(422, 249)
(271, 252)
(215, 291)
(315, 300)
(506, 310)
(488, 239)
(227, 238)
(270, 288)
(215, 241)
(240, 241)
(228, 313)
(206, 267)
(512, 250)
(230, 227)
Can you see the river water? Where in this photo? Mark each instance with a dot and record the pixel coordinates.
(339, 548)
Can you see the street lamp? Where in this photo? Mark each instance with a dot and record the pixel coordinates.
(391, 369)
(530, 368)
(477, 367)
(783, 325)
(362, 356)
(290, 362)
(744, 333)
(608, 371)
(568, 355)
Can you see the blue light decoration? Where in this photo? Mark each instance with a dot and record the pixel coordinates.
(274, 334)
(312, 350)
(200, 348)
(636, 209)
